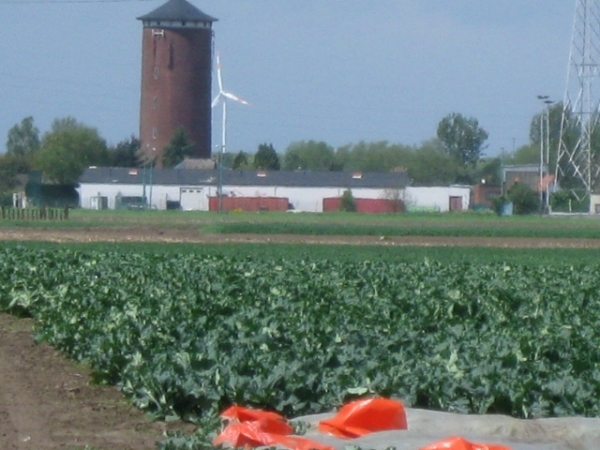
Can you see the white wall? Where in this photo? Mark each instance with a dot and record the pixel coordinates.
(595, 204)
(302, 198)
(159, 194)
(436, 197)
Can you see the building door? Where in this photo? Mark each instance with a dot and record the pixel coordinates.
(193, 199)
(455, 203)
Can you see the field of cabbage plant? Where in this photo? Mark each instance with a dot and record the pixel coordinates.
(184, 335)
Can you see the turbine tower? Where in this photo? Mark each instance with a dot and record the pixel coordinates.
(222, 97)
(578, 162)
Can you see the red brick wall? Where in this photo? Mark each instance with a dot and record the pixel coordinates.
(250, 203)
(483, 195)
(176, 89)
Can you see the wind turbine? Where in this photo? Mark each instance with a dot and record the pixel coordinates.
(222, 97)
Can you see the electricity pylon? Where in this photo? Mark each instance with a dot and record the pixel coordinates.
(578, 162)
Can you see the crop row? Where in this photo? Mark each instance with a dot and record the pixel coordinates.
(184, 335)
(499, 229)
(385, 252)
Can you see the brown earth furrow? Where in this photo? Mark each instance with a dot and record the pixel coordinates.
(189, 235)
(47, 402)
(27, 427)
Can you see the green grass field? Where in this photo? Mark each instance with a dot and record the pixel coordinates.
(328, 224)
(348, 224)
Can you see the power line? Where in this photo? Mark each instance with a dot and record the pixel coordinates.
(58, 2)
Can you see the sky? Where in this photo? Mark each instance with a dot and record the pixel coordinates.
(339, 71)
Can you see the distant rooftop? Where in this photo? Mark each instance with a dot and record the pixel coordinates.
(191, 177)
(177, 10)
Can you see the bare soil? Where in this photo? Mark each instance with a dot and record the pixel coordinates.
(47, 402)
(190, 235)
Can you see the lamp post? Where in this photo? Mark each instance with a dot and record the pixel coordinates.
(548, 103)
(544, 142)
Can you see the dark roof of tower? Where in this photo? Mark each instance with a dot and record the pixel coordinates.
(178, 10)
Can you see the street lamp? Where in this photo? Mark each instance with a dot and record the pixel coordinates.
(548, 104)
(544, 141)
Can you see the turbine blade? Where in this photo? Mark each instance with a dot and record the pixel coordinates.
(219, 79)
(216, 101)
(235, 98)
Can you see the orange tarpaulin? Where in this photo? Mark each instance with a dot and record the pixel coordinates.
(366, 416)
(249, 434)
(458, 443)
(243, 434)
(242, 414)
(256, 428)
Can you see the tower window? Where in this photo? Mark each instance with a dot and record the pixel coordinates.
(155, 103)
(156, 73)
(154, 133)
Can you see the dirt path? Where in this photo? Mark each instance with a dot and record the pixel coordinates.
(190, 235)
(46, 402)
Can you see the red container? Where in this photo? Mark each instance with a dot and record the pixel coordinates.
(249, 203)
(366, 205)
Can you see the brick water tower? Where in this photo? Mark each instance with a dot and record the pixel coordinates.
(176, 78)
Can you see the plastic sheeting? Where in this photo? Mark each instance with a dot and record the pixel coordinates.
(373, 417)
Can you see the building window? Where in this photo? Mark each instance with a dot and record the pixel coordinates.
(154, 133)
(156, 73)
(155, 103)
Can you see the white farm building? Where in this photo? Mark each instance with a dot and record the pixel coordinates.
(197, 190)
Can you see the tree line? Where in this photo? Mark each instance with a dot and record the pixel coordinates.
(454, 155)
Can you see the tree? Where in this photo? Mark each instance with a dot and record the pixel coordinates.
(430, 165)
(311, 155)
(526, 154)
(397, 197)
(179, 147)
(378, 156)
(125, 153)
(524, 199)
(555, 117)
(347, 201)
(462, 138)
(68, 149)
(23, 139)
(266, 158)
(490, 171)
(8, 177)
(22, 143)
(241, 161)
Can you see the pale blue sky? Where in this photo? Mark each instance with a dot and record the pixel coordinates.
(340, 71)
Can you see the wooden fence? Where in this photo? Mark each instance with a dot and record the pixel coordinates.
(34, 214)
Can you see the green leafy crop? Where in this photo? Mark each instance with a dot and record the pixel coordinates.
(186, 335)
